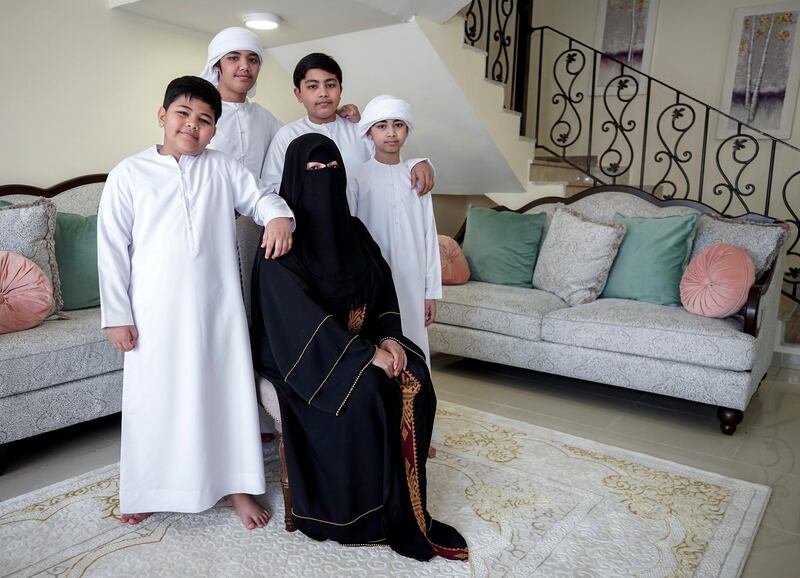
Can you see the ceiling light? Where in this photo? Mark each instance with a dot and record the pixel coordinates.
(261, 20)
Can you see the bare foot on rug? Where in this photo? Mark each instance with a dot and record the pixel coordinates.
(267, 437)
(431, 452)
(252, 514)
(134, 518)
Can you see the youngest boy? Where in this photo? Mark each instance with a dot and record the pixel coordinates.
(171, 300)
(402, 223)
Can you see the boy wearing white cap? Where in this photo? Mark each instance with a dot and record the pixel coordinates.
(245, 128)
(402, 223)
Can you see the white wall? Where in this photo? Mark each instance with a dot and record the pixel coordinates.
(81, 84)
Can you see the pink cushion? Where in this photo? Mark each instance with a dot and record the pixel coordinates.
(455, 270)
(25, 293)
(716, 282)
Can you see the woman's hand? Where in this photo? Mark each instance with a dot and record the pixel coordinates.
(122, 337)
(383, 360)
(398, 355)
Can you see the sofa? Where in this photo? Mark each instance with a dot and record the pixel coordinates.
(621, 342)
(64, 371)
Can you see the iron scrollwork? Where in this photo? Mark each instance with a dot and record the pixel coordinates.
(743, 150)
(473, 23)
(682, 118)
(572, 62)
(504, 9)
(611, 160)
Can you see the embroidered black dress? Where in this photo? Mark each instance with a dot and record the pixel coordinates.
(356, 440)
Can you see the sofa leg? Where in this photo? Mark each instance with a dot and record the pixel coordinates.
(729, 419)
(288, 518)
(3, 458)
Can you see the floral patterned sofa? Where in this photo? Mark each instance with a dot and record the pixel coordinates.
(64, 371)
(620, 342)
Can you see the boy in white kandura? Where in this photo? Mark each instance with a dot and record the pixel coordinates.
(401, 222)
(171, 300)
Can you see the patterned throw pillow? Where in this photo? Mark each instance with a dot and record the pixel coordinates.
(28, 229)
(761, 240)
(455, 270)
(576, 256)
(25, 293)
(717, 281)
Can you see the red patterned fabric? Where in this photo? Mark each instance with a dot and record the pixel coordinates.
(455, 270)
(717, 281)
(25, 293)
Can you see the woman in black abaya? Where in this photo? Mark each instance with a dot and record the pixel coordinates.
(357, 403)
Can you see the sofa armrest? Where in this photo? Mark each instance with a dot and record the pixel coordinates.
(757, 292)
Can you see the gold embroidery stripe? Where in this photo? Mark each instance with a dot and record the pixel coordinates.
(332, 368)
(302, 353)
(355, 381)
(353, 521)
(406, 347)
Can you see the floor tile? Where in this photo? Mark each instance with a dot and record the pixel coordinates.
(775, 554)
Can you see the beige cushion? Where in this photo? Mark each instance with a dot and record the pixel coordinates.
(761, 240)
(268, 398)
(576, 256)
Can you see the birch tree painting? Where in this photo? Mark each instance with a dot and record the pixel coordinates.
(761, 91)
(625, 32)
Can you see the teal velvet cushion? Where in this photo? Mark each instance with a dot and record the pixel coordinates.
(76, 257)
(651, 260)
(501, 246)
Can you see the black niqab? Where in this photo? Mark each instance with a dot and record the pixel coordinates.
(326, 240)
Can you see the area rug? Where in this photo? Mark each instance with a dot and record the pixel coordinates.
(529, 501)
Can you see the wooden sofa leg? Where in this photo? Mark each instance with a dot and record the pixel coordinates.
(729, 419)
(288, 519)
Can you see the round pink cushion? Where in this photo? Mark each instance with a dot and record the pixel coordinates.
(455, 270)
(716, 282)
(25, 293)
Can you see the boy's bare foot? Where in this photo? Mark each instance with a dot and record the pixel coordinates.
(133, 519)
(252, 514)
(267, 437)
(431, 452)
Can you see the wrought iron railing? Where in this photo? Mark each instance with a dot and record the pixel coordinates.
(634, 129)
(502, 28)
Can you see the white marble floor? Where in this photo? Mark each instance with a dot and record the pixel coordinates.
(762, 450)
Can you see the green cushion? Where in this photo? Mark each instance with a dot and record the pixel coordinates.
(651, 260)
(76, 257)
(501, 246)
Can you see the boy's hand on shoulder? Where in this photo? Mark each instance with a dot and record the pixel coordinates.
(422, 178)
(350, 112)
(122, 337)
(277, 240)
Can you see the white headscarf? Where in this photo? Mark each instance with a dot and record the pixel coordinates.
(230, 40)
(385, 107)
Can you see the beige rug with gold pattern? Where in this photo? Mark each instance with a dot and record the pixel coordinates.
(530, 502)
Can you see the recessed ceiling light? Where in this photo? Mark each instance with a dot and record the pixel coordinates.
(261, 20)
